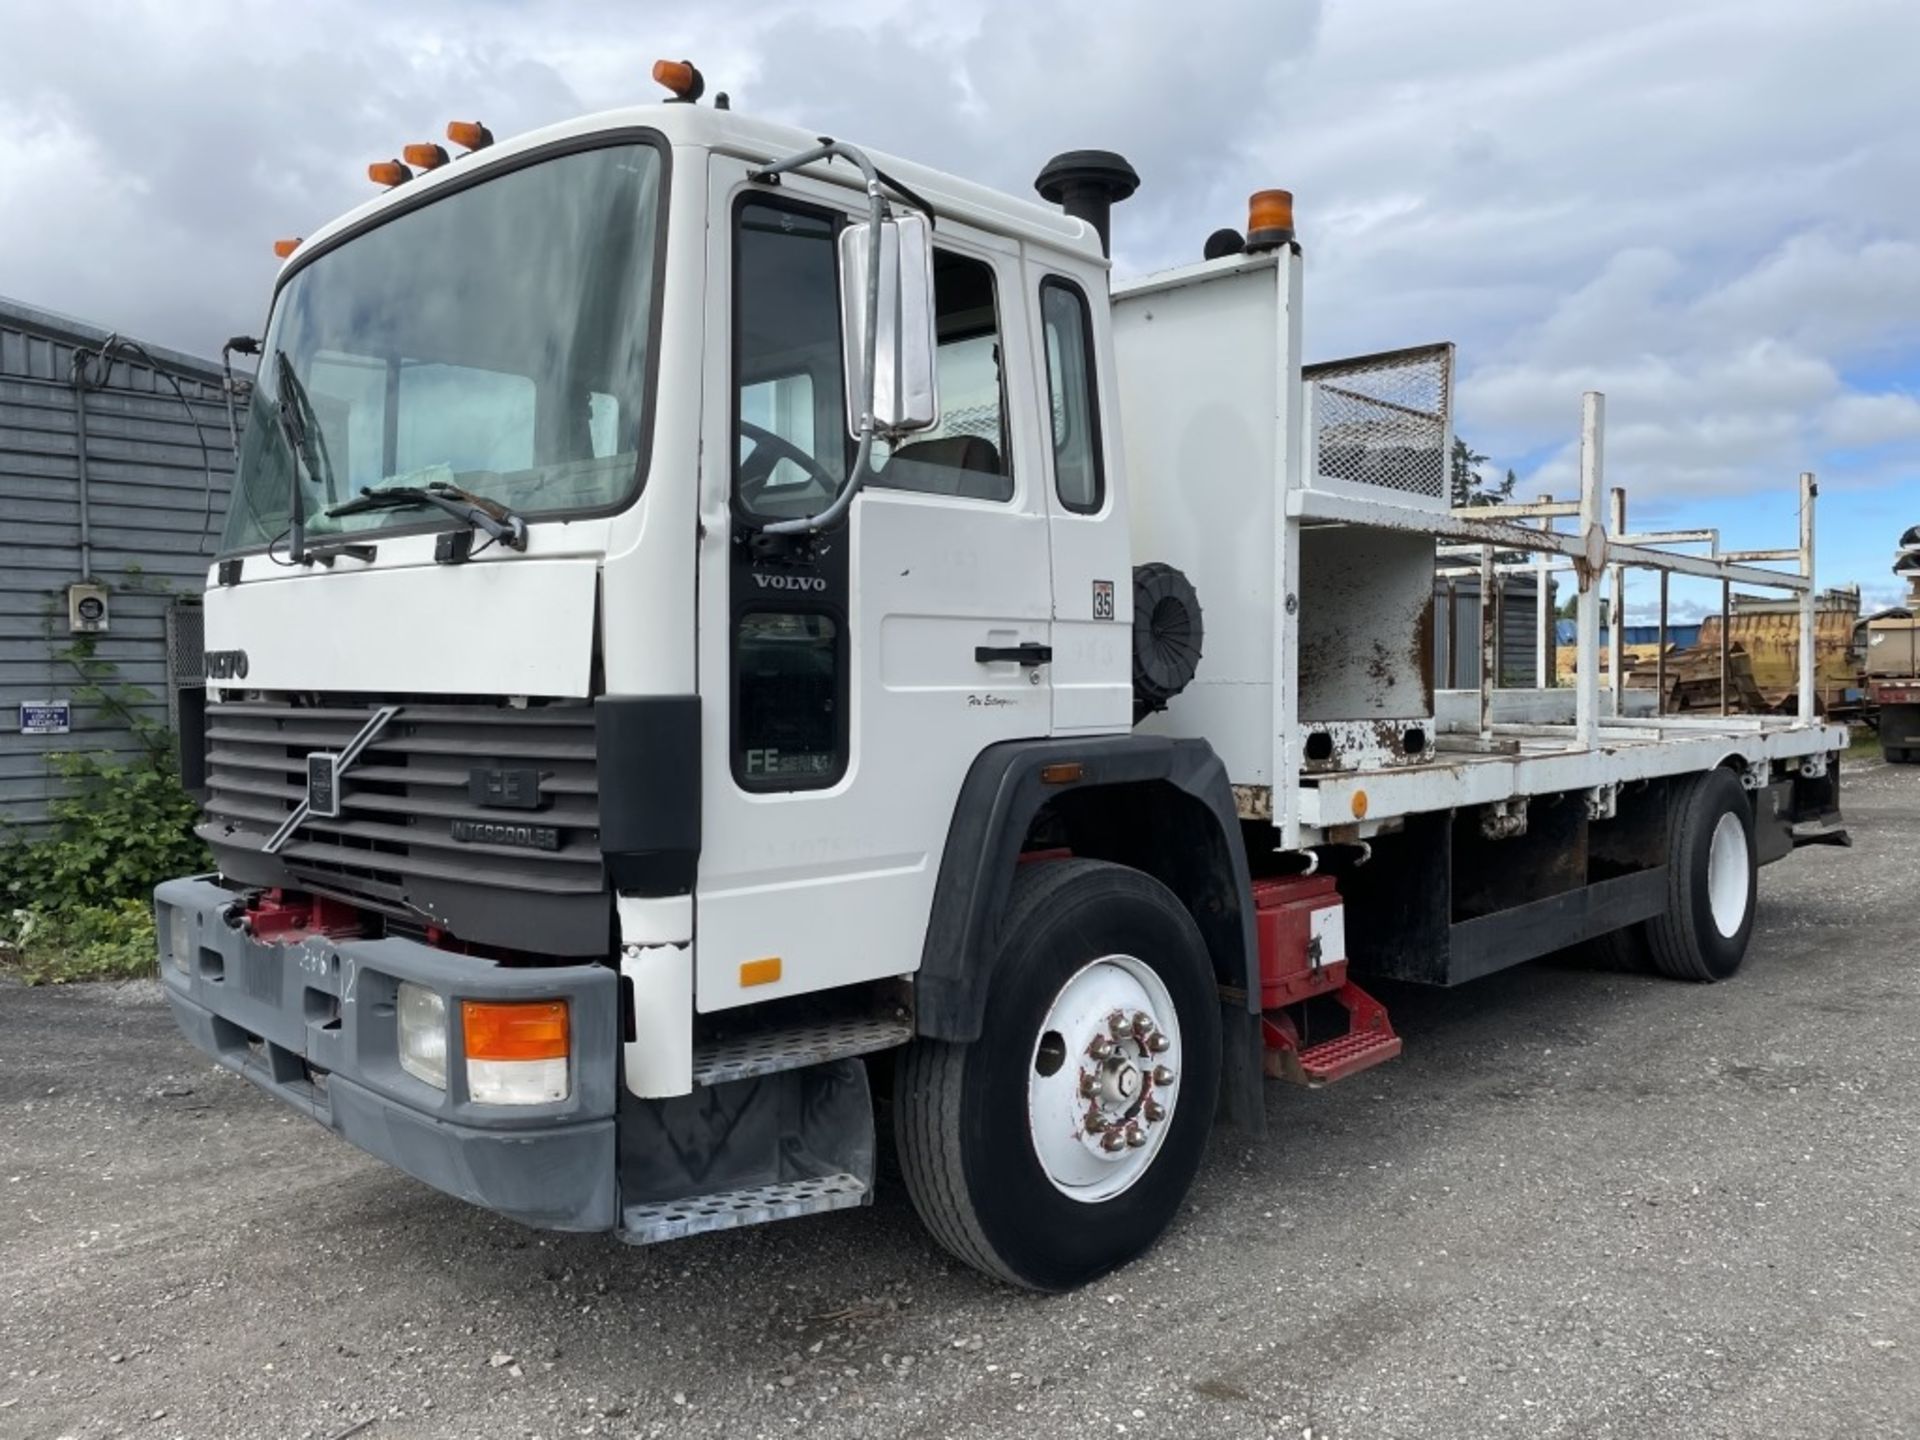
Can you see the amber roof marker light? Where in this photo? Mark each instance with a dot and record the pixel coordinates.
(284, 248)
(388, 173)
(469, 135)
(425, 156)
(682, 77)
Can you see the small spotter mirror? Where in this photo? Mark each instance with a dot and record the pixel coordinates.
(901, 389)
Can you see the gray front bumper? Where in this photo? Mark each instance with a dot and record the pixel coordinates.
(313, 1023)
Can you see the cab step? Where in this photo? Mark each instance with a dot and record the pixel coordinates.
(650, 1223)
(1368, 1041)
(797, 1035)
(1346, 1055)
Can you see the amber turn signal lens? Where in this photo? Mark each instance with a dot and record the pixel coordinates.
(1270, 217)
(388, 173)
(425, 157)
(516, 1030)
(469, 134)
(284, 248)
(676, 75)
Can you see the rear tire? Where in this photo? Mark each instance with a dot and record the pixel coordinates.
(992, 1137)
(1712, 881)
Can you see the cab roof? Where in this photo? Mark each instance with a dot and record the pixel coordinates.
(703, 128)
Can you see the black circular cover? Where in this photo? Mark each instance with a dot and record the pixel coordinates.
(1167, 635)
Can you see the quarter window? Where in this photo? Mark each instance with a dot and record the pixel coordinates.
(1077, 471)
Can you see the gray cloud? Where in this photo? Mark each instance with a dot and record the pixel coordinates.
(1705, 210)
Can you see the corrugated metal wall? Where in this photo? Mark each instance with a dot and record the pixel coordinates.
(152, 527)
(1456, 632)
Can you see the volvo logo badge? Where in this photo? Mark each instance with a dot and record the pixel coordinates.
(226, 664)
(789, 582)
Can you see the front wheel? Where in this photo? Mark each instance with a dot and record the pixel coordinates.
(1061, 1143)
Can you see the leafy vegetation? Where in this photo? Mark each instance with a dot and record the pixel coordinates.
(75, 901)
(1467, 486)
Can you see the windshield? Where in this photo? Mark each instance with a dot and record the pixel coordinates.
(496, 339)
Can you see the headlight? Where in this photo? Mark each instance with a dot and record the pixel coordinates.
(517, 1051)
(423, 1034)
(179, 938)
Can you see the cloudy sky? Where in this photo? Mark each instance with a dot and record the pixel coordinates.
(1711, 211)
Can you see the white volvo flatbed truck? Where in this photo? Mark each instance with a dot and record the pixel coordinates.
(707, 634)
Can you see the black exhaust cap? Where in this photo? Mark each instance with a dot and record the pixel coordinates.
(1087, 184)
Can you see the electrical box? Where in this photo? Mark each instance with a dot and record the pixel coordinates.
(86, 608)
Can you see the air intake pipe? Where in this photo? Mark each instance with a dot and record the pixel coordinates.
(1087, 184)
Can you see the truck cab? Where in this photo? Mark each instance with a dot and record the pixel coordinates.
(673, 666)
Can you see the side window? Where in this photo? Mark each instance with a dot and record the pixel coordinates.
(1072, 396)
(966, 454)
(786, 731)
(791, 453)
(791, 446)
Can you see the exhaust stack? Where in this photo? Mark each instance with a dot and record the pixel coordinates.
(1087, 184)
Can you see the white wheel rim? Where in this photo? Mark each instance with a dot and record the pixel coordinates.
(1728, 875)
(1102, 1078)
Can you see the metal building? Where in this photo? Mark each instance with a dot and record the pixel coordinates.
(114, 465)
(1456, 631)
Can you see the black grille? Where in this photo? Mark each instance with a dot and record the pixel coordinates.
(392, 846)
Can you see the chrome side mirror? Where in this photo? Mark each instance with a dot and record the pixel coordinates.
(900, 395)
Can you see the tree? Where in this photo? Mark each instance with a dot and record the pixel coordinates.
(1467, 486)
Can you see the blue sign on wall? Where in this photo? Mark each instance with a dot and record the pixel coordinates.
(46, 717)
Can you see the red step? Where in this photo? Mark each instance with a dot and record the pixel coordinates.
(1368, 1041)
(1347, 1054)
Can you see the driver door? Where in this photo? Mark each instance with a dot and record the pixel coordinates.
(844, 685)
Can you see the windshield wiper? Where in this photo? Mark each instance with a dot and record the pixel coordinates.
(309, 450)
(481, 513)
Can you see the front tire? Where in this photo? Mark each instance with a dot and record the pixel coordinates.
(1712, 881)
(1060, 1143)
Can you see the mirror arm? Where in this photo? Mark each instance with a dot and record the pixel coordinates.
(870, 342)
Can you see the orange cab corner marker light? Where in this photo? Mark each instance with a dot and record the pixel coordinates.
(1359, 804)
(469, 134)
(678, 76)
(1062, 772)
(426, 156)
(1270, 214)
(388, 173)
(284, 248)
(514, 1029)
(764, 971)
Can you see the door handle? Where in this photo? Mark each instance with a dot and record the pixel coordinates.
(1029, 653)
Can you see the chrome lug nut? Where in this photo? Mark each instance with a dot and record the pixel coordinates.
(1120, 1025)
(1100, 1047)
(1154, 1111)
(1088, 1085)
(1096, 1122)
(1162, 1075)
(1114, 1140)
(1159, 1044)
(1135, 1138)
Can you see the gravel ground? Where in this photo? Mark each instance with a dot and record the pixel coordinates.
(1582, 1204)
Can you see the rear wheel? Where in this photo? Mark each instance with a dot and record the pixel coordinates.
(1061, 1143)
(1712, 881)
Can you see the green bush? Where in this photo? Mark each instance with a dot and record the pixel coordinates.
(123, 826)
(76, 902)
(111, 941)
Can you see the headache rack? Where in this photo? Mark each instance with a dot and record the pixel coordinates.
(418, 837)
(1317, 687)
